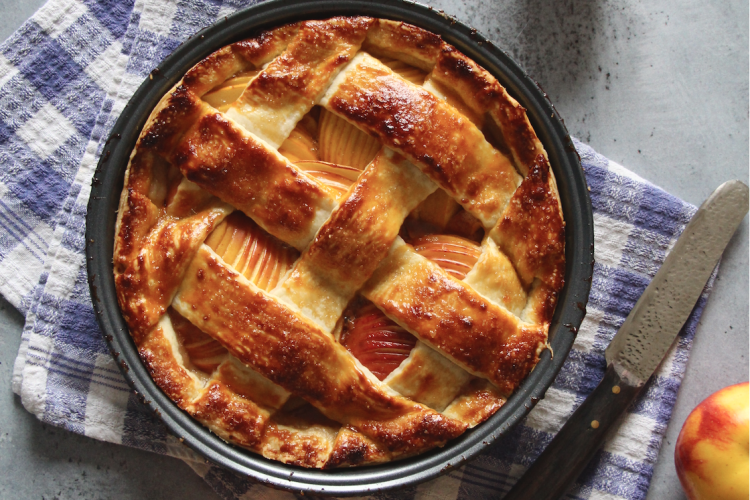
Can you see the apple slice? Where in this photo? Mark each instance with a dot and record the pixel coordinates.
(454, 254)
(222, 96)
(301, 143)
(404, 70)
(414, 228)
(344, 144)
(337, 177)
(437, 209)
(439, 213)
(251, 251)
(205, 353)
(185, 198)
(465, 225)
(173, 187)
(164, 179)
(376, 341)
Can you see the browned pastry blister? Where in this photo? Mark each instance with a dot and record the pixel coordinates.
(322, 194)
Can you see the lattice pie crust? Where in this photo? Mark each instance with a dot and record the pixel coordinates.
(339, 243)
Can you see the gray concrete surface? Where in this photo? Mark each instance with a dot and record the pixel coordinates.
(660, 87)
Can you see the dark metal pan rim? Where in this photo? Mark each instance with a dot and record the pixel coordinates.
(576, 204)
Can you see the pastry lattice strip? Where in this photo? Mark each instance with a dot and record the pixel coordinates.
(284, 179)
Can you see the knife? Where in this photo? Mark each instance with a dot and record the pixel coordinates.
(640, 345)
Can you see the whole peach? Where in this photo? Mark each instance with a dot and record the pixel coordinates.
(711, 455)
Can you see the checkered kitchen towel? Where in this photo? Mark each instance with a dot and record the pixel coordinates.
(65, 76)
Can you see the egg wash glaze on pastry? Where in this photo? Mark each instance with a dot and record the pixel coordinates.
(339, 243)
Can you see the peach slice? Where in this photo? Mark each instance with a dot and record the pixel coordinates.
(342, 143)
(337, 177)
(454, 254)
(205, 353)
(377, 342)
(251, 251)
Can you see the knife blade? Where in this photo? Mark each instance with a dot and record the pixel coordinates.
(640, 344)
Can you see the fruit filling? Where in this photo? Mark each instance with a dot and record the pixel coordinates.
(344, 144)
(440, 214)
(406, 71)
(224, 95)
(335, 152)
(204, 353)
(454, 254)
(302, 143)
(337, 177)
(251, 251)
(255, 254)
(376, 341)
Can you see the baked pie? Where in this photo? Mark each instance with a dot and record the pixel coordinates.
(339, 243)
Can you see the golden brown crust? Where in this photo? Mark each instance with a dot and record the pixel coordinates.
(482, 93)
(479, 335)
(349, 246)
(136, 216)
(265, 46)
(450, 149)
(294, 354)
(146, 285)
(428, 378)
(229, 415)
(532, 232)
(171, 118)
(404, 42)
(309, 447)
(311, 59)
(362, 228)
(251, 385)
(157, 354)
(258, 362)
(225, 161)
(477, 403)
(241, 56)
(411, 433)
(214, 69)
(494, 277)
(287, 88)
(352, 448)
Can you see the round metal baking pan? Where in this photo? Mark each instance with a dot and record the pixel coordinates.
(576, 205)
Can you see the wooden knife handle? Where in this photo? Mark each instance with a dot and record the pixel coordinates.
(574, 446)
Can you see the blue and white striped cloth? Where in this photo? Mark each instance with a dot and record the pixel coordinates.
(65, 76)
